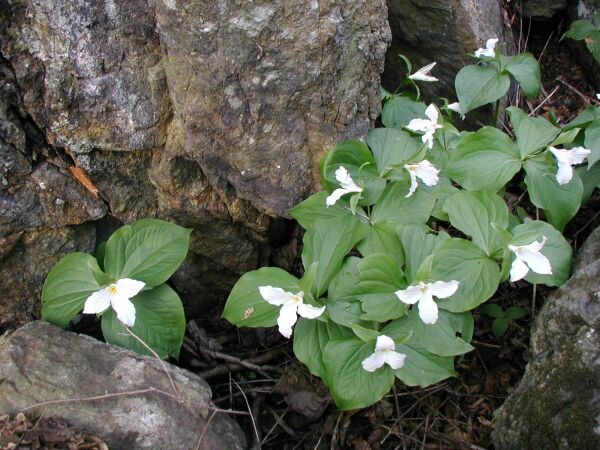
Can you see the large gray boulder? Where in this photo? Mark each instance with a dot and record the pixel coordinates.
(41, 363)
(210, 114)
(557, 403)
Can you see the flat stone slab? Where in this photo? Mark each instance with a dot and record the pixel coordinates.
(122, 397)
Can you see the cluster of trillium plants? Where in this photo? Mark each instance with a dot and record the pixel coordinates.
(412, 231)
(125, 284)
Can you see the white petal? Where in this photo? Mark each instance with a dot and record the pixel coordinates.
(443, 289)
(491, 43)
(564, 173)
(432, 113)
(560, 154)
(413, 180)
(384, 343)
(578, 154)
(455, 107)
(421, 74)
(275, 296)
(536, 262)
(535, 246)
(97, 302)
(427, 172)
(419, 125)
(394, 359)
(428, 137)
(518, 270)
(410, 295)
(124, 308)
(129, 288)
(374, 362)
(287, 318)
(428, 310)
(342, 175)
(335, 196)
(309, 311)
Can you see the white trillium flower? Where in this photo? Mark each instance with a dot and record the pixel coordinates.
(423, 170)
(117, 296)
(598, 96)
(456, 108)
(348, 186)
(490, 45)
(292, 305)
(422, 73)
(426, 126)
(566, 159)
(384, 354)
(423, 294)
(529, 257)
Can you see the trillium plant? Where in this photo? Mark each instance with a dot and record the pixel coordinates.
(124, 284)
(411, 231)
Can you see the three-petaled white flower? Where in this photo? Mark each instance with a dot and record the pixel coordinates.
(291, 306)
(348, 185)
(384, 354)
(422, 73)
(567, 158)
(423, 294)
(117, 296)
(529, 257)
(490, 45)
(426, 126)
(423, 170)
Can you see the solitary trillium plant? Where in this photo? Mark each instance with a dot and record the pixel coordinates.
(411, 232)
(124, 284)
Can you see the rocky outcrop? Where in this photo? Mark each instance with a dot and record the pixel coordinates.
(441, 31)
(40, 363)
(210, 114)
(557, 404)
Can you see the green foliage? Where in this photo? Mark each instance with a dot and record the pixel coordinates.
(501, 317)
(589, 32)
(148, 251)
(418, 234)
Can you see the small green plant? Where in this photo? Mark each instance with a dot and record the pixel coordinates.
(501, 317)
(411, 232)
(584, 30)
(125, 284)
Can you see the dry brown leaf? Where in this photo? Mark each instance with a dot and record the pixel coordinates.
(83, 179)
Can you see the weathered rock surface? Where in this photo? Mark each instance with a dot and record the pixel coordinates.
(557, 404)
(441, 31)
(41, 363)
(210, 114)
(544, 9)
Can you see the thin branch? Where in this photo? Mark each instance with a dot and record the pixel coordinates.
(249, 413)
(544, 101)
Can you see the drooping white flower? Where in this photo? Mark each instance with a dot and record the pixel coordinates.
(456, 108)
(291, 306)
(423, 170)
(423, 294)
(348, 185)
(422, 73)
(529, 257)
(490, 45)
(426, 126)
(117, 296)
(566, 159)
(598, 96)
(384, 354)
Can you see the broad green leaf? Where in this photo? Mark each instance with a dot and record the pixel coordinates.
(68, 285)
(487, 159)
(328, 242)
(311, 337)
(314, 209)
(474, 213)
(100, 253)
(441, 192)
(351, 386)
(479, 85)
(559, 202)
(590, 179)
(557, 250)
(584, 118)
(499, 327)
(394, 206)
(579, 29)
(365, 334)
(245, 306)
(532, 133)
(358, 160)
(382, 238)
(566, 137)
(418, 245)
(150, 250)
(515, 312)
(422, 368)
(159, 322)
(479, 276)
(399, 111)
(592, 142)
(493, 310)
(593, 45)
(526, 70)
(441, 337)
(392, 147)
(342, 305)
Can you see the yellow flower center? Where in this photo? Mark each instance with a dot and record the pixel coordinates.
(112, 289)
